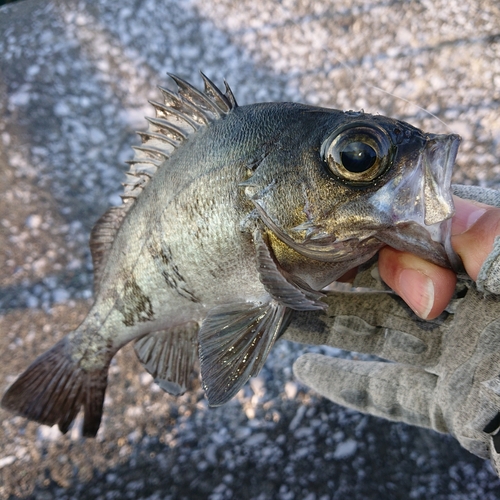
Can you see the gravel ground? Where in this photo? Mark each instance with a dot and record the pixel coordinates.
(75, 78)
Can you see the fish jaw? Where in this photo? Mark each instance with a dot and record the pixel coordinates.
(420, 204)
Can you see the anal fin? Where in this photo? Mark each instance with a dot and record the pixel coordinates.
(54, 388)
(235, 341)
(169, 356)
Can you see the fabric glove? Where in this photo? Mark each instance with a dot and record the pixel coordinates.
(445, 373)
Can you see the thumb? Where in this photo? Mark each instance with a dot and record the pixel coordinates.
(475, 227)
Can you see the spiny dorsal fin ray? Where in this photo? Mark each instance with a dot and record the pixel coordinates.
(154, 152)
(167, 128)
(230, 96)
(167, 112)
(169, 356)
(153, 137)
(182, 114)
(218, 97)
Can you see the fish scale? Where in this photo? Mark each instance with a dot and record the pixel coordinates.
(233, 218)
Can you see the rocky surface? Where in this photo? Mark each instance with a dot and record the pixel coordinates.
(75, 78)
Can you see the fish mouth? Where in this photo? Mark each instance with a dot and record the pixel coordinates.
(423, 205)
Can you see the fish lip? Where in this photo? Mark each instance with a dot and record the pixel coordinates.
(440, 155)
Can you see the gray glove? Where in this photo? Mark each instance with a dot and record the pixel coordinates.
(446, 372)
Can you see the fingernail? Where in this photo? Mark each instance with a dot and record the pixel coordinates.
(417, 290)
(466, 214)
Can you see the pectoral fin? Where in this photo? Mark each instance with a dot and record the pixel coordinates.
(282, 287)
(234, 343)
(169, 356)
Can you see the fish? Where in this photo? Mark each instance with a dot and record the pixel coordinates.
(233, 218)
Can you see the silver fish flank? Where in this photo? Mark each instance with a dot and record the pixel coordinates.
(234, 217)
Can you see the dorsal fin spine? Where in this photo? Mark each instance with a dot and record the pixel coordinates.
(144, 159)
(216, 94)
(156, 152)
(134, 181)
(230, 96)
(149, 136)
(163, 111)
(138, 174)
(167, 126)
(145, 165)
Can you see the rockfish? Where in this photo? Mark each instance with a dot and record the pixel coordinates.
(234, 217)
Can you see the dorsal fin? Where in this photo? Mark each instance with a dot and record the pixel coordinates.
(181, 114)
(102, 237)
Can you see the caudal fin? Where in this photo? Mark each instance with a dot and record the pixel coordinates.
(54, 388)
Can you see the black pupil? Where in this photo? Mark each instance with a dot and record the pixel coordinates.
(358, 157)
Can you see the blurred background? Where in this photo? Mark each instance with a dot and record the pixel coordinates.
(75, 78)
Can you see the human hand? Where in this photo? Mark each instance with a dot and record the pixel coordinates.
(428, 288)
(446, 370)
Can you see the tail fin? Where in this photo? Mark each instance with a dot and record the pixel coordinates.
(54, 387)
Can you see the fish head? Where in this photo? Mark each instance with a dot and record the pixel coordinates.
(360, 182)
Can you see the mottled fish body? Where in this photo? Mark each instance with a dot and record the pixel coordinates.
(233, 218)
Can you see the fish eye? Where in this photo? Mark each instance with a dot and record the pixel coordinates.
(358, 153)
(358, 157)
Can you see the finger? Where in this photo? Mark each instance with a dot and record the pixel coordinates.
(475, 227)
(467, 212)
(392, 391)
(425, 287)
(371, 323)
